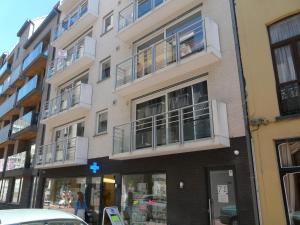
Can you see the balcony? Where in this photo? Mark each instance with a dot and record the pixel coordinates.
(25, 128)
(11, 81)
(136, 19)
(192, 48)
(80, 57)
(71, 105)
(16, 161)
(7, 108)
(30, 93)
(5, 133)
(193, 128)
(36, 60)
(68, 152)
(74, 25)
(5, 70)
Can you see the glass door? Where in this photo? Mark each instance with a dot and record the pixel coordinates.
(222, 202)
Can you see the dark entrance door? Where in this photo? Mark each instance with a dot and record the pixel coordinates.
(222, 198)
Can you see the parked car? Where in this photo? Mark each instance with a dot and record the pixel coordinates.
(38, 217)
(229, 215)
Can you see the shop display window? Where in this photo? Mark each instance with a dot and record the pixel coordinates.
(144, 199)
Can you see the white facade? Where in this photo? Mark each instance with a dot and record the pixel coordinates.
(216, 64)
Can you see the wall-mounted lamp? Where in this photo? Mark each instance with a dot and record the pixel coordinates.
(181, 185)
(236, 152)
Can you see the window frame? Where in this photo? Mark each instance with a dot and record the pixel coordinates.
(19, 193)
(292, 42)
(3, 181)
(104, 28)
(101, 68)
(283, 171)
(97, 133)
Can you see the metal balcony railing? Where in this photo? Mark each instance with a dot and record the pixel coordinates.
(6, 67)
(67, 100)
(5, 133)
(28, 88)
(8, 104)
(60, 151)
(136, 10)
(190, 123)
(16, 161)
(71, 20)
(25, 121)
(186, 42)
(84, 47)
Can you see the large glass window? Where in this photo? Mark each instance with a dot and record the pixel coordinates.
(17, 190)
(180, 113)
(61, 193)
(289, 162)
(3, 191)
(285, 45)
(144, 199)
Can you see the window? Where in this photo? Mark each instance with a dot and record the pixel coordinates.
(108, 23)
(285, 46)
(144, 199)
(105, 69)
(3, 191)
(17, 190)
(101, 122)
(289, 165)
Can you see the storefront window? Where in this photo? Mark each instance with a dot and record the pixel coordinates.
(289, 159)
(95, 200)
(144, 199)
(62, 193)
(17, 190)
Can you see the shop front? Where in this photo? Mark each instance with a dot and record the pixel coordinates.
(209, 186)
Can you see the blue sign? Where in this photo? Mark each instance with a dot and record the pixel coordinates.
(95, 167)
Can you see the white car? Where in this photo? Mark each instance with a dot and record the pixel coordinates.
(38, 217)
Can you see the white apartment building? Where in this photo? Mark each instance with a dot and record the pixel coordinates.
(144, 112)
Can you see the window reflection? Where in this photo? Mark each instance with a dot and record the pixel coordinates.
(289, 154)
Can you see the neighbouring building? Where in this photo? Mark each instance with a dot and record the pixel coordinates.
(269, 33)
(144, 112)
(21, 79)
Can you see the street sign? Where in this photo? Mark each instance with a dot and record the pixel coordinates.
(113, 215)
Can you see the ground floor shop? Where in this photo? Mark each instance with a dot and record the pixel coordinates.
(204, 187)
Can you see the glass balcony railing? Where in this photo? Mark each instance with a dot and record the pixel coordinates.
(57, 152)
(67, 100)
(4, 69)
(28, 88)
(8, 104)
(37, 52)
(5, 133)
(2, 162)
(184, 43)
(25, 121)
(15, 75)
(190, 123)
(84, 47)
(16, 161)
(136, 10)
(71, 20)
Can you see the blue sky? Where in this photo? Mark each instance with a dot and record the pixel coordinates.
(13, 14)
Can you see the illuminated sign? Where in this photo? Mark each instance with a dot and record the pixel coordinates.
(95, 168)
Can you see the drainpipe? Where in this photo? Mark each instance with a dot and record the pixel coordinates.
(242, 80)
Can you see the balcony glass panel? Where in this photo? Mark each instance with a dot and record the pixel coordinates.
(28, 87)
(136, 10)
(38, 50)
(5, 133)
(4, 68)
(15, 75)
(67, 100)
(185, 42)
(8, 104)
(71, 20)
(25, 121)
(16, 161)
